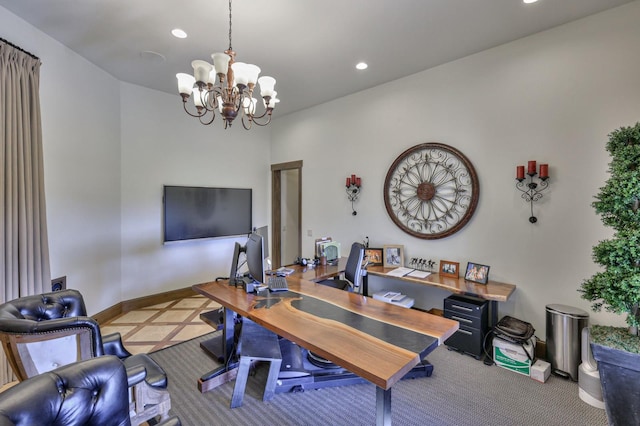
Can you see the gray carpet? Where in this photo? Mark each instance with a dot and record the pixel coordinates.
(461, 391)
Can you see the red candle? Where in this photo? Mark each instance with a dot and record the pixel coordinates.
(532, 167)
(353, 179)
(544, 170)
(358, 181)
(520, 172)
(348, 182)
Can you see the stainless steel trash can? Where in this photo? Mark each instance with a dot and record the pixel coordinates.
(564, 336)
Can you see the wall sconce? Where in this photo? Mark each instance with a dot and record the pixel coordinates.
(353, 190)
(533, 189)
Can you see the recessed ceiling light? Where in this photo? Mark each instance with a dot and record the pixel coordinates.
(362, 65)
(177, 32)
(529, 1)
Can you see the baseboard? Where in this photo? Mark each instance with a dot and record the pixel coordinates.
(108, 314)
(141, 302)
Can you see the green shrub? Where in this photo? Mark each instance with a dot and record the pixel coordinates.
(617, 286)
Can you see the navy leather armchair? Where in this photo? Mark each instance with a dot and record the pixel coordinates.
(90, 392)
(42, 332)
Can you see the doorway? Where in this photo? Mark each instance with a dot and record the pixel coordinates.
(286, 212)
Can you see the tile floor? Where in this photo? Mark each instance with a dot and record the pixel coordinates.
(155, 327)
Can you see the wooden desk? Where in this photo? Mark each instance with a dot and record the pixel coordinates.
(320, 272)
(492, 290)
(375, 340)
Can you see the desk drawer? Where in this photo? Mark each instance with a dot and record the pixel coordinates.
(471, 306)
(469, 311)
(473, 315)
(468, 340)
(472, 321)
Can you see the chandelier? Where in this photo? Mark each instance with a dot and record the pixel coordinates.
(227, 87)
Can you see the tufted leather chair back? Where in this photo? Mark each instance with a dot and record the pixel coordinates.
(36, 332)
(91, 392)
(44, 307)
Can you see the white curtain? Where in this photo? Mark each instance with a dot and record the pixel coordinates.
(24, 249)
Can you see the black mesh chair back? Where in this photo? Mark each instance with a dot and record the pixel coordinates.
(352, 271)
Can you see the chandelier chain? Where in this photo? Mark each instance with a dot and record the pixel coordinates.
(230, 48)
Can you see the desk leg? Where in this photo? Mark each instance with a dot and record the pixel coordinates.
(493, 313)
(383, 407)
(227, 333)
(228, 371)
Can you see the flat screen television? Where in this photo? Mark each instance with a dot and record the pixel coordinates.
(192, 212)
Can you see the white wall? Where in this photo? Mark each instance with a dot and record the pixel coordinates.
(161, 145)
(81, 141)
(108, 149)
(552, 97)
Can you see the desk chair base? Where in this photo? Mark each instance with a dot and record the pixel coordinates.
(298, 374)
(319, 361)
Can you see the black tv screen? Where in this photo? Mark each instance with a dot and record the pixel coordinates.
(192, 212)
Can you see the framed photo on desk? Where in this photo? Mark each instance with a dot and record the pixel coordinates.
(393, 256)
(374, 255)
(477, 273)
(449, 269)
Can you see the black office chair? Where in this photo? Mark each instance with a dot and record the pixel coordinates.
(352, 272)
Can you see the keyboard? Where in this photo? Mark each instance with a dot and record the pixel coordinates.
(277, 283)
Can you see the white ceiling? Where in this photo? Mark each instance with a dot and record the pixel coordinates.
(311, 48)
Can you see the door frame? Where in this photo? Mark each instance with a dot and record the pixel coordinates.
(276, 209)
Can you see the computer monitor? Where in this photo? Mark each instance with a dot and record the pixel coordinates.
(233, 274)
(264, 231)
(255, 257)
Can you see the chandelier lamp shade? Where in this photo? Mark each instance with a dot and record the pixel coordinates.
(227, 87)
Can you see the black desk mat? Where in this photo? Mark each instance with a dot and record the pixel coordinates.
(397, 336)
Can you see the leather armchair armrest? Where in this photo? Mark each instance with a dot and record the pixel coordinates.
(112, 344)
(136, 374)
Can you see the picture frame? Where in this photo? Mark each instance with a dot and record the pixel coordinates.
(449, 269)
(375, 256)
(477, 273)
(393, 256)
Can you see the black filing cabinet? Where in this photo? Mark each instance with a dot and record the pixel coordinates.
(472, 313)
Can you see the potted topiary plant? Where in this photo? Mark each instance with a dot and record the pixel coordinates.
(617, 286)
